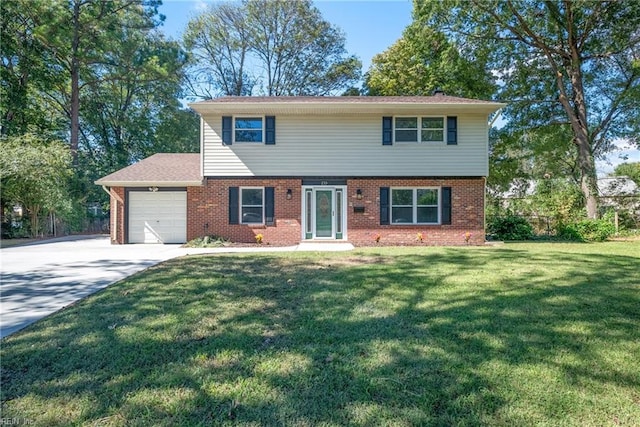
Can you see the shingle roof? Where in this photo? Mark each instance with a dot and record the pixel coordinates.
(619, 186)
(435, 99)
(162, 169)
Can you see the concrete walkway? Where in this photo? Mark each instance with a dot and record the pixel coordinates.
(41, 278)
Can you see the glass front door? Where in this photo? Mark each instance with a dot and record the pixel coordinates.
(323, 213)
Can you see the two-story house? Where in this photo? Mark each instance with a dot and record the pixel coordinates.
(392, 170)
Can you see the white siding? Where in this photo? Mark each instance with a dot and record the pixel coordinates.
(345, 146)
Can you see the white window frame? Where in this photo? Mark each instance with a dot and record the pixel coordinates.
(419, 129)
(262, 129)
(414, 206)
(242, 206)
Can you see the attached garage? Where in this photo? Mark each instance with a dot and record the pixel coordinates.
(157, 217)
(149, 199)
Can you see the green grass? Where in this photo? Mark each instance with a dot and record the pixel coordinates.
(520, 334)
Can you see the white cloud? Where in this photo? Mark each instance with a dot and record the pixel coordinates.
(200, 5)
(622, 152)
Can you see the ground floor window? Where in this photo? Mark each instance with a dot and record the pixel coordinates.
(252, 205)
(415, 205)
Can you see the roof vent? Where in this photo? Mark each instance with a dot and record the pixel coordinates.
(438, 92)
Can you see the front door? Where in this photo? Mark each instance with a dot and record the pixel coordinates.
(324, 213)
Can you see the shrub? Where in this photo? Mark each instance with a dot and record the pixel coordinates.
(587, 230)
(510, 227)
(207, 242)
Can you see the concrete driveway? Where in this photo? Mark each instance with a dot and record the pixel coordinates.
(39, 279)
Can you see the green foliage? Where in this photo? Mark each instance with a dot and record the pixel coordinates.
(208, 242)
(524, 155)
(558, 199)
(291, 48)
(588, 230)
(631, 170)
(510, 227)
(567, 64)
(35, 173)
(99, 75)
(424, 60)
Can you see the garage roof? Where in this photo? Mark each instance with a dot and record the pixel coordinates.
(159, 170)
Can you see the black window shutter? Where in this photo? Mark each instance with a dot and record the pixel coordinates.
(227, 131)
(384, 205)
(269, 205)
(234, 205)
(270, 130)
(452, 130)
(446, 205)
(387, 131)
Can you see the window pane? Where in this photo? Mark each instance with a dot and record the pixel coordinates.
(402, 215)
(251, 215)
(427, 197)
(248, 136)
(406, 123)
(309, 210)
(402, 197)
(432, 135)
(432, 123)
(248, 129)
(252, 196)
(249, 123)
(406, 135)
(426, 215)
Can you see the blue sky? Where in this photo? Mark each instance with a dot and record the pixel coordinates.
(370, 26)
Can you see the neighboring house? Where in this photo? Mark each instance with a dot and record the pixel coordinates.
(355, 169)
(620, 193)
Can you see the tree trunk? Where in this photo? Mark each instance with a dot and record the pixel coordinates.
(74, 109)
(34, 211)
(588, 177)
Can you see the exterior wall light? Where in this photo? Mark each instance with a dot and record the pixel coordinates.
(289, 194)
(359, 194)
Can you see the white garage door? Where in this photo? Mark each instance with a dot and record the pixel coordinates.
(159, 217)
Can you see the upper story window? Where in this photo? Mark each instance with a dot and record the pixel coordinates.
(248, 129)
(419, 129)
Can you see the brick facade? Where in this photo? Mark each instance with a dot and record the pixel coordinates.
(467, 214)
(208, 213)
(117, 212)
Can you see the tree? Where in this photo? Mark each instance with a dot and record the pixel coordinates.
(631, 170)
(24, 72)
(564, 63)
(291, 50)
(77, 41)
(98, 74)
(422, 61)
(219, 44)
(35, 173)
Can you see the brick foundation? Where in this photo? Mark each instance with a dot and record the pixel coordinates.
(208, 207)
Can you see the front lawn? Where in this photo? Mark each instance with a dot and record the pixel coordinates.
(520, 334)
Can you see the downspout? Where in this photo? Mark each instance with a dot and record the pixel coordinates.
(491, 123)
(115, 214)
(495, 117)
